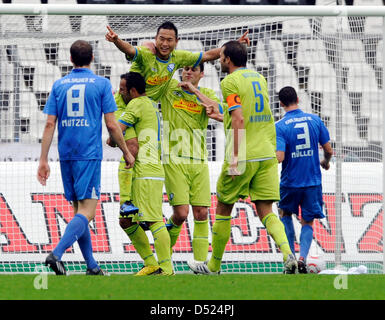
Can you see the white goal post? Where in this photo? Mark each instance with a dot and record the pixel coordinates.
(332, 55)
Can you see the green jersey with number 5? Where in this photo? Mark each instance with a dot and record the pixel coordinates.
(247, 89)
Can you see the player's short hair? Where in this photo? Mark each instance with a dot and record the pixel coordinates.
(237, 53)
(202, 66)
(169, 26)
(81, 53)
(134, 80)
(288, 95)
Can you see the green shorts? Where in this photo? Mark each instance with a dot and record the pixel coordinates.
(125, 182)
(147, 195)
(188, 184)
(260, 181)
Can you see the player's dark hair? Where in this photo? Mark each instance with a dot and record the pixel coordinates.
(81, 53)
(202, 66)
(134, 80)
(237, 53)
(288, 96)
(169, 26)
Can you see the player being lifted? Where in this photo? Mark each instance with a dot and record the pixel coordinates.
(250, 167)
(141, 123)
(158, 66)
(81, 97)
(187, 181)
(122, 98)
(298, 136)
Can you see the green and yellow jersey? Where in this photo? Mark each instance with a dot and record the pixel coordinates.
(247, 89)
(184, 122)
(142, 119)
(156, 72)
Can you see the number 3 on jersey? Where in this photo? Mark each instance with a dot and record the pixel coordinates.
(75, 100)
(303, 136)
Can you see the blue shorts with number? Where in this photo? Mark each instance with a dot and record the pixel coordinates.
(81, 179)
(308, 198)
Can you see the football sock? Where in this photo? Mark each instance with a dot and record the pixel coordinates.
(73, 232)
(305, 239)
(85, 245)
(140, 241)
(276, 229)
(200, 241)
(221, 235)
(289, 229)
(162, 246)
(125, 185)
(174, 232)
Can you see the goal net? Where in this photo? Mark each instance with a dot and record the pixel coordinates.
(335, 64)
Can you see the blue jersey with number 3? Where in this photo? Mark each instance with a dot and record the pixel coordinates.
(298, 135)
(79, 100)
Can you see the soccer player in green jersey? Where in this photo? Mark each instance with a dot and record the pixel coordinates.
(187, 181)
(122, 98)
(159, 65)
(250, 167)
(141, 123)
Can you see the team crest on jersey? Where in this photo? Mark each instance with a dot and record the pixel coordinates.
(171, 196)
(171, 67)
(177, 93)
(154, 70)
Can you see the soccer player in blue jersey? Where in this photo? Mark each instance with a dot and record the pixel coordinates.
(298, 136)
(77, 103)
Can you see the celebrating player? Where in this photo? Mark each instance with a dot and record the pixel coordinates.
(141, 123)
(77, 102)
(122, 98)
(250, 167)
(159, 65)
(298, 136)
(187, 181)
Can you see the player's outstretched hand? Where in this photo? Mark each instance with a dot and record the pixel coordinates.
(244, 39)
(43, 173)
(111, 35)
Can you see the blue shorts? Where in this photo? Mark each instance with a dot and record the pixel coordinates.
(308, 198)
(81, 179)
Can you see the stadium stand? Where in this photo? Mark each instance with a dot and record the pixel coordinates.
(308, 63)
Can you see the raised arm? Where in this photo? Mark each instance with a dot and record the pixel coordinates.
(213, 54)
(123, 46)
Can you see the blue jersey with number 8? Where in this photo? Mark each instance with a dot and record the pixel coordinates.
(79, 100)
(298, 135)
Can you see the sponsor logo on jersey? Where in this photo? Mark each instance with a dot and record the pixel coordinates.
(189, 106)
(157, 80)
(177, 93)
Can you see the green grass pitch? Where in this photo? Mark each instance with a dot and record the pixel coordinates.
(193, 287)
